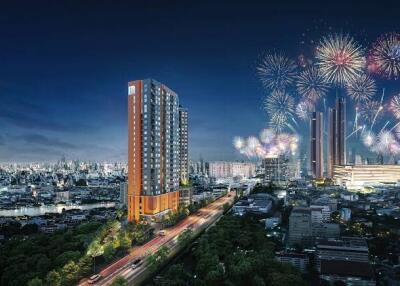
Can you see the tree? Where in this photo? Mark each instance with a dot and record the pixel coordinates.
(35, 282)
(95, 249)
(185, 237)
(119, 281)
(158, 258)
(124, 242)
(53, 278)
(109, 251)
(284, 279)
(67, 256)
(85, 264)
(226, 207)
(176, 275)
(29, 228)
(70, 273)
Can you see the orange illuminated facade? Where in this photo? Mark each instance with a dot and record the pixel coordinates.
(153, 149)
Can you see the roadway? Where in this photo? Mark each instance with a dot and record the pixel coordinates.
(197, 221)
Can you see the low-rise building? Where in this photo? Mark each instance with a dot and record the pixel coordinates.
(345, 259)
(348, 272)
(257, 204)
(298, 260)
(185, 196)
(272, 222)
(300, 226)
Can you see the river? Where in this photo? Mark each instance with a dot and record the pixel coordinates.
(36, 211)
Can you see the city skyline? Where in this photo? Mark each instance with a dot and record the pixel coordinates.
(80, 63)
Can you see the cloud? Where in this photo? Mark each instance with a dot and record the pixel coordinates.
(38, 139)
(30, 122)
(35, 147)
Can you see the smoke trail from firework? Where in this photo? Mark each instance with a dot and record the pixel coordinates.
(276, 71)
(311, 84)
(385, 56)
(362, 88)
(280, 108)
(340, 59)
(394, 106)
(370, 110)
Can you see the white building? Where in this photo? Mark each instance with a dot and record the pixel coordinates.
(223, 169)
(366, 175)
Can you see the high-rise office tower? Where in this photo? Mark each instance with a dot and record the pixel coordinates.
(337, 135)
(316, 152)
(153, 149)
(341, 131)
(183, 138)
(331, 140)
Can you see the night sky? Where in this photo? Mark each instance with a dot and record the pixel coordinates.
(64, 67)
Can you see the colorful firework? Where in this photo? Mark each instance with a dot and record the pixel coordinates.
(362, 88)
(270, 144)
(267, 136)
(369, 111)
(311, 84)
(340, 59)
(369, 138)
(385, 56)
(280, 108)
(394, 106)
(385, 142)
(276, 71)
(238, 142)
(304, 109)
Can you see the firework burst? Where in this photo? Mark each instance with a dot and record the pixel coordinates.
(280, 108)
(238, 142)
(270, 144)
(385, 55)
(311, 84)
(369, 138)
(394, 106)
(276, 71)
(370, 110)
(362, 88)
(340, 59)
(385, 142)
(304, 109)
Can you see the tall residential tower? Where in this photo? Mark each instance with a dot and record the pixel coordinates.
(184, 150)
(153, 149)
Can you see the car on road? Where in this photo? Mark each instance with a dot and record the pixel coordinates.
(94, 278)
(190, 226)
(161, 233)
(137, 263)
